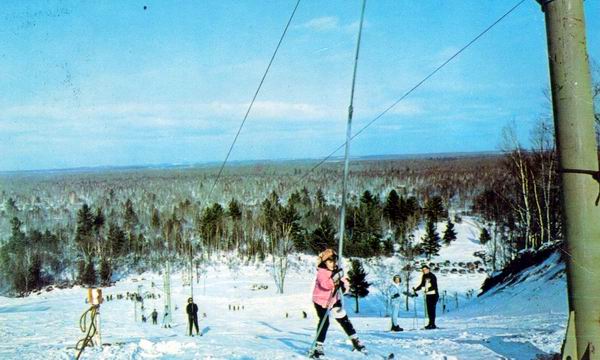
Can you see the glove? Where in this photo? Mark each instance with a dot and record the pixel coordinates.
(395, 296)
(337, 275)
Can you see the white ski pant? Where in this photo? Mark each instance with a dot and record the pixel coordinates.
(395, 312)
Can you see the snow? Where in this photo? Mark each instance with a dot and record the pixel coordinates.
(518, 321)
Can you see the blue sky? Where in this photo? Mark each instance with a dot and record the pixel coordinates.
(93, 83)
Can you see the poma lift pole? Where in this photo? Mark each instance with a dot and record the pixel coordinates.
(578, 156)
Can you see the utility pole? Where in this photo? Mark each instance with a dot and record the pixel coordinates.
(578, 155)
(191, 270)
(167, 290)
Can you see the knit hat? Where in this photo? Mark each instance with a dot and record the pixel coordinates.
(327, 254)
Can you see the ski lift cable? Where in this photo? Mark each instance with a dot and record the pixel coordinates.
(415, 87)
(253, 99)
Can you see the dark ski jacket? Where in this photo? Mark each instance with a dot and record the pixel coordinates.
(429, 282)
(192, 310)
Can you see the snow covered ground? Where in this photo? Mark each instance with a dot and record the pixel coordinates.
(517, 322)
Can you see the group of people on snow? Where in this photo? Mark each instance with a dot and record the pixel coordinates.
(331, 283)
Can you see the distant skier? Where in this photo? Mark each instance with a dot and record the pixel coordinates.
(395, 292)
(165, 320)
(154, 315)
(192, 312)
(429, 284)
(330, 278)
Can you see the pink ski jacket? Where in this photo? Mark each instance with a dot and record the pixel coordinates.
(324, 288)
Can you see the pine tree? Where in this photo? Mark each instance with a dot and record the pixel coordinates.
(485, 236)
(391, 209)
(35, 273)
(89, 275)
(116, 239)
(234, 210)
(85, 224)
(80, 271)
(155, 221)
(105, 272)
(450, 233)
(321, 202)
(130, 218)
(306, 198)
(323, 236)
(359, 287)
(434, 209)
(431, 241)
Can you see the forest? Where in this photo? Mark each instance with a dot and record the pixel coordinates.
(83, 226)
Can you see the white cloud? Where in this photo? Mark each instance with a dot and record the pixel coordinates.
(325, 23)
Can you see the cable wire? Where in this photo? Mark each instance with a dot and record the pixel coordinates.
(253, 99)
(415, 87)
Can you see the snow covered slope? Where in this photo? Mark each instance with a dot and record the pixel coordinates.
(519, 321)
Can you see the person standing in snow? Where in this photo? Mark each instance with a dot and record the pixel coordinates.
(429, 284)
(395, 291)
(154, 315)
(165, 320)
(192, 312)
(326, 296)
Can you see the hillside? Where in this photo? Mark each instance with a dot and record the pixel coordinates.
(271, 326)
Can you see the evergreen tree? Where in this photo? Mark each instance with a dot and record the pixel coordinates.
(85, 224)
(295, 198)
(155, 220)
(366, 228)
(450, 233)
(321, 202)
(323, 236)
(306, 198)
(105, 272)
(130, 218)
(89, 275)
(234, 210)
(116, 239)
(434, 209)
(14, 255)
(211, 225)
(485, 236)
(35, 273)
(288, 218)
(431, 241)
(359, 287)
(81, 271)
(99, 220)
(391, 210)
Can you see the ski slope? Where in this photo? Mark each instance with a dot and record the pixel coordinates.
(515, 322)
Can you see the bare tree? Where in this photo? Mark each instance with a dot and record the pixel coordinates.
(517, 159)
(280, 248)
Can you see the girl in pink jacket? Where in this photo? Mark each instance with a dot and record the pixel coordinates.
(325, 296)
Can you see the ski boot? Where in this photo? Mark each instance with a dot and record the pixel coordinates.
(397, 328)
(358, 346)
(317, 352)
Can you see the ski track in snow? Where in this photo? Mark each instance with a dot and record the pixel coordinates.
(516, 322)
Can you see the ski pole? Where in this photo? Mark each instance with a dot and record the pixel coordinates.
(415, 319)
